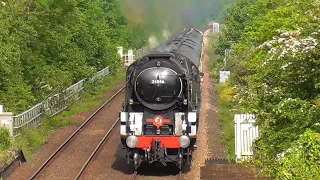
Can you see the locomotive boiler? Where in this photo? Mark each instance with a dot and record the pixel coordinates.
(160, 113)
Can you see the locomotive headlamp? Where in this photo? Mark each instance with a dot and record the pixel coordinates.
(158, 63)
(185, 101)
(184, 141)
(132, 141)
(130, 101)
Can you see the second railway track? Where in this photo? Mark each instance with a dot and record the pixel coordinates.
(72, 157)
(97, 148)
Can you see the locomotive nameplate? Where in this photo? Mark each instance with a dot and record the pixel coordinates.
(158, 81)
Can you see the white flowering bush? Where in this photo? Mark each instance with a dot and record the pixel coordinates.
(275, 67)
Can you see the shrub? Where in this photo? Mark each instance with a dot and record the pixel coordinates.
(5, 139)
(225, 92)
(302, 160)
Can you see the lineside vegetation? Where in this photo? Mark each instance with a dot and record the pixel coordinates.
(48, 45)
(275, 73)
(31, 139)
(225, 93)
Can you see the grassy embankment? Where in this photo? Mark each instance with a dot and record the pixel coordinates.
(31, 139)
(225, 98)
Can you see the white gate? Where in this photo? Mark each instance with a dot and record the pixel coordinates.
(245, 133)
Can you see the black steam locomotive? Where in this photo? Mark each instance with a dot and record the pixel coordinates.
(160, 114)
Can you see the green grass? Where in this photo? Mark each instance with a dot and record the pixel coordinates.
(31, 139)
(225, 105)
(216, 60)
(226, 122)
(5, 143)
(3, 158)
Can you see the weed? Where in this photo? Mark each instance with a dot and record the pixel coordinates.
(226, 118)
(5, 139)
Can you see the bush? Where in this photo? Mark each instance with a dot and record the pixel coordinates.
(275, 75)
(302, 161)
(225, 91)
(5, 139)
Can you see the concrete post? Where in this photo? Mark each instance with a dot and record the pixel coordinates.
(6, 120)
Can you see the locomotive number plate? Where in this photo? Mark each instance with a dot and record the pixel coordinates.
(158, 81)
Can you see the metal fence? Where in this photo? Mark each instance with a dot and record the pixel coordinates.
(52, 105)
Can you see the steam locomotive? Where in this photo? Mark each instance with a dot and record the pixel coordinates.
(160, 113)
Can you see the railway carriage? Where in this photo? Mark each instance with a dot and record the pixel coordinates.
(160, 113)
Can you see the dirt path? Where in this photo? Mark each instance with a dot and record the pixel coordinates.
(208, 121)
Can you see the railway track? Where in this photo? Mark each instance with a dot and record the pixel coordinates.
(135, 176)
(75, 134)
(97, 148)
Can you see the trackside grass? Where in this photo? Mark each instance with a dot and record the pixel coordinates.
(226, 118)
(225, 97)
(31, 139)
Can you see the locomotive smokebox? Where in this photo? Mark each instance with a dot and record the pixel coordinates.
(157, 84)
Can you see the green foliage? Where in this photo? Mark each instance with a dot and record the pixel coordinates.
(226, 117)
(216, 61)
(275, 72)
(47, 45)
(5, 139)
(29, 140)
(302, 161)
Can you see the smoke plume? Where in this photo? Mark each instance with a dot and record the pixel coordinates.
(162, 18)
(171, 15)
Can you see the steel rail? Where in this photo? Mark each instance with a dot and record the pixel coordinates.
(135, 175)
(97, 148)
(180, 175)
(65, 143)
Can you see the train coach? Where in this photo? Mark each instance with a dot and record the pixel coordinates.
(160, 113)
